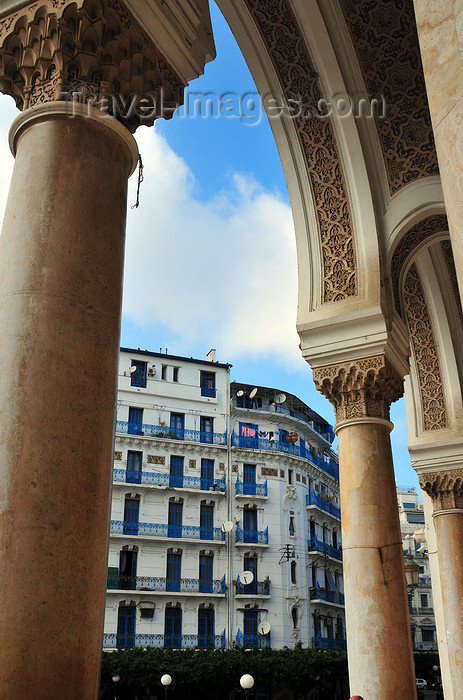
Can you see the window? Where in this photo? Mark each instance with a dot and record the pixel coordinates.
(250, 524)
(250, 623)
(173, 571)
(295, 617)
(290, 476)
(174, 523)
(173, 628)
(205, 627)
(283, 435)
(249, 474)
(175, 374)
(335, 538)
(206, 563)
(135, 426)
(126, 626)
(131, 511)
(138, 376)
(250, 564)
(164, 372)
(427, 635)
(207, 474)
(134, 460)
(293, 572)
(292, 528)
(127, 569)
(424, 600)
(207, 382)
(177, 425)
(206, 428)
(176, 471)
(409, 505)
(206, 522)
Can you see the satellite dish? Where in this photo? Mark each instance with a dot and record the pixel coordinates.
(247, 577)
(264, 627)
(253, 393)
(240, 393)
(280, 398)
(329, 498)
(227, 526)
(132, 369)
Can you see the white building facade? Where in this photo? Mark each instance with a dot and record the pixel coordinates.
(225, 524)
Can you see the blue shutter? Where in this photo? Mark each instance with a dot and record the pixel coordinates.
(173, 572)
(176, 471)
(177, 426)
(206, 429)
(131, 512)
(134, 463)
(174, 527)
(173, 628)
(207, 474)
(135, 426)
(138, 378)
(207, 381)
(206, 563)
(205, 627)
(250, 524)
(250, 564)
(126, 626)
(206, 522)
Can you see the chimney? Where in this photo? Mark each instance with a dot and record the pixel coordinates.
(210, 357)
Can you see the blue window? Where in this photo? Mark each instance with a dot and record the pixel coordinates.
(138, 376)
(205, 627)
(250, 623)
(135, 426)
(173, 628)
(173, 571)
(126, 626)
(207, 474)
(174, 525)
(127, 569)
(206, 563)
(206, 522)
(250, 524)
(207, 381)
(206, 429)
(250, 564)
(131, 511)
(249, 478)
(134, 460)
(176, 471)
(292, 528)
(409, 505)
(177, 425)
(283, 436)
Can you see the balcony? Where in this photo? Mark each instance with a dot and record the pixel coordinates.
(243, 489)
(328, 643)
(162, 431)
(254, 588)
(164, 585)
(252, 640)
(251, 536)
(330, 467)
(174, 641)
(318, 593)
(316, 546)
(313, 499)
(159, 479)
(121, 527)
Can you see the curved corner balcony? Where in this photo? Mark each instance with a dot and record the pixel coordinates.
(313, 499)
(161, 431)
(194, 532)
(319, 593)
(244, 489)
(253, 588)
(113, 640)
(252, 640)
(331, 467)
(253, 536)
(326, 642)
(315, 545)
(166, 585)
(176, 481)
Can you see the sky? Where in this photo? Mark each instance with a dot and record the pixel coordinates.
(210, 254)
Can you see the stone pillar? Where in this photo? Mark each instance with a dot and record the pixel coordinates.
(446, 490)
(377, 620)
(440, 31)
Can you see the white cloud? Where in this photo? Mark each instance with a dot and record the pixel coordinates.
(227, 264)
(8, 112)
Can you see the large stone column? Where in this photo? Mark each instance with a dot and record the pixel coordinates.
(377, 620)
(446, 490)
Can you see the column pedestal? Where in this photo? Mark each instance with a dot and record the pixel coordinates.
(62, 248)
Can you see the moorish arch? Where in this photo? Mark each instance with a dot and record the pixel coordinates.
(368, 209)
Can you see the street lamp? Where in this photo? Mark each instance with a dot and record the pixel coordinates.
(411, 572)
(246, 682)
(116, 678)
(166, 680)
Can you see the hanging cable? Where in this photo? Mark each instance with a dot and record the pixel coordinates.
(140, 180)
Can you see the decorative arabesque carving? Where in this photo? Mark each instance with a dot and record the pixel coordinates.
(411, 240)
(361, 388)
(384, 37)
(52, 50)
(445, 488)
(299, 80)
(425, 352)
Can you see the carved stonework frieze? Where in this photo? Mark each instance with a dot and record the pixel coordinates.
(445, 488)
(360, 388)
(83, 53)
(425, 352)
(300, 81)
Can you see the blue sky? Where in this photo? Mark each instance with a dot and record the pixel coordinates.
(211, 259)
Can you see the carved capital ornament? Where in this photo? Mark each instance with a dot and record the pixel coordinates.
(445, 488)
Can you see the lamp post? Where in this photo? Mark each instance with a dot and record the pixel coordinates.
(246, 682)
(166, 680)
(116, 678)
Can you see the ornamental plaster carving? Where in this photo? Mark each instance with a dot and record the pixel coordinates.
(361, 388)
(445, 488)
(424, 229)
(384, 37)
(291, 500)
(426, 353)
(94, 48)
(299, 80)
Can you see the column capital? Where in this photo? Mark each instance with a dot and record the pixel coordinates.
(445, 488)
(360, 388)
(86, 52)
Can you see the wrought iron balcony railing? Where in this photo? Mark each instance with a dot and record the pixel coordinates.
(180, 585)
(256, 536)
(242, 488)
(320, 641)
(319, 593)
(159, 479)
(253, 588)
(114, 640)
(162, 431)
(121, 527)
(316, 545)
(252, 640)
(313, 499)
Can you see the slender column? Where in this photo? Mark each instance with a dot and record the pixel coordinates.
(62, 250)
(377, 620)
(446, 491)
